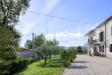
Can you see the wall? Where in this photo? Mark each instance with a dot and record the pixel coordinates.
(109, 39)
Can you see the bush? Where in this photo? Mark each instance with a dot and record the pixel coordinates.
(64, 57)
(71, 54)
(10, 68)
(4, 68)
(67, 56)
(20, 64)
(7, 53)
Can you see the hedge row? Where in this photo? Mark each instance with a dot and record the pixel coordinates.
(8, 68)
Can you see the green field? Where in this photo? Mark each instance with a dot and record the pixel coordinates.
(53, 67)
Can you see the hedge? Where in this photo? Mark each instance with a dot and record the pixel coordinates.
(7, 68)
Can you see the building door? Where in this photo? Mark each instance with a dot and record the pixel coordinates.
(101, 50)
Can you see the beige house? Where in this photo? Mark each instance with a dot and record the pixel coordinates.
(100, 39)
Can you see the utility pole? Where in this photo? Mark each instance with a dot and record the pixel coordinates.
(33, 35)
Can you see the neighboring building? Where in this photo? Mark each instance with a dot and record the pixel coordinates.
(100, 39)
(28, 53)
(25, 54)
(84, 48)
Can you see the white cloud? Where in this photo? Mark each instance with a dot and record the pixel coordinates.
(67, 38)
(65, 35)
(26, 27)
(49, 36)
(68, 34)
(60, 35)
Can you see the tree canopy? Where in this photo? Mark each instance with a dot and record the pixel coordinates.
(10, 10)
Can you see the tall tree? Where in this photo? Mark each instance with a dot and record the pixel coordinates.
(7, 49)
(38, 40)
(79, 49)
(10, 10)
(44, 51)
(29, 44)
(51, 44)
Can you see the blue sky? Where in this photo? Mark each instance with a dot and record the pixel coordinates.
(86, 14)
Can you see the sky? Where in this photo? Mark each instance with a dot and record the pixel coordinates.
(83, 16)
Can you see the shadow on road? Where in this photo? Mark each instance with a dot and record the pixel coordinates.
(81, 62)
(77, 67)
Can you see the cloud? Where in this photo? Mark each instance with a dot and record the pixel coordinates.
(67, 38)
(66, 35)
(50, 36)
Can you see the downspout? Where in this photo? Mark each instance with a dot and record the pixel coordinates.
(105, 38)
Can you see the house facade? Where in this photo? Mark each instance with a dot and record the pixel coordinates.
(100, 39)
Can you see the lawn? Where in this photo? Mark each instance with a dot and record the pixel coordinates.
(53, 67)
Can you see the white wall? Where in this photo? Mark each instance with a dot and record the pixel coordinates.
(109, 39)
(95, 36)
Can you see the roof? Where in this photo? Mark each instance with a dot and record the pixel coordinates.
(100, 25)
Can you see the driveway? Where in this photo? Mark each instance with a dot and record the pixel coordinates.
(86, 65)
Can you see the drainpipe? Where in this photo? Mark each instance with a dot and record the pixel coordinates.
(105, 38)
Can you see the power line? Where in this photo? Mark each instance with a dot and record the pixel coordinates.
(53, 16)
(62, 18)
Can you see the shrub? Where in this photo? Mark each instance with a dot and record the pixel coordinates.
(71, 54)
(68, 55)
(4, 68)
(10, 68)
(20, 64)
(64, 57)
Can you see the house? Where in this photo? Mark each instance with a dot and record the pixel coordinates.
(100, 39)
(28, 53)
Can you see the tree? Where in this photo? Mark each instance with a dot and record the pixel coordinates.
(7, 49)
(79, 49)
(51, 44)
(29, 44)
(44, 51)
(56, 50)
(10, 11)
(38, 40)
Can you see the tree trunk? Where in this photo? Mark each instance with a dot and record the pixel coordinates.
(50, 57)
(45, 61)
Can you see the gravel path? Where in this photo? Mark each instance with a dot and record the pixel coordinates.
(86, 65)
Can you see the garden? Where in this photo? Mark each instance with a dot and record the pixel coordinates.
(52, 58)
(53, 67)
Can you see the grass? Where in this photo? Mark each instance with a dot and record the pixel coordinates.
(53, 67)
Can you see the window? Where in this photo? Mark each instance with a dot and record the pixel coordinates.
(101, 36)
(111, 48)
(101, 48)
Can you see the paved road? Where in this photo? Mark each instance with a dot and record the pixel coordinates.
(86, 65)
